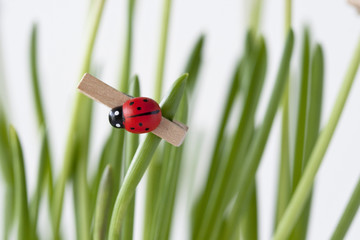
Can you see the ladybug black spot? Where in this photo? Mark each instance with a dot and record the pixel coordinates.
(140, 124)
(145, 100)
(132, 128)
(139, 108)
(131, 103)
(146, 129)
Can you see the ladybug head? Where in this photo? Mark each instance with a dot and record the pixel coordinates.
(116, 117)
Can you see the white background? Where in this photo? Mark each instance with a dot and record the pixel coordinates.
(61, 23)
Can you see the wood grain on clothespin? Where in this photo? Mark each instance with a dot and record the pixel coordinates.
(171, 131)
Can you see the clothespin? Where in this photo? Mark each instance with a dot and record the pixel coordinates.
(171, 131)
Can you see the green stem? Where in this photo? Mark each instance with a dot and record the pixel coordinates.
(155, 166)
(94, 21)
(304, 187)
(256, 15)
(216, 161)
(348, 214)
(103, 205)
(25, 228)
(284, 182)
(302, 112)
(131, 144)
(288, 13)
(162, 49)
(142, 159)
(254, 154)
(224, 189)
(249, 223)
(35, 77)
(126, 67)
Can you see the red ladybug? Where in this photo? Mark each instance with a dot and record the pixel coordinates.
(137, 115)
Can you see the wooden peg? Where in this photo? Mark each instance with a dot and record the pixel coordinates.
(171, 131)
(355, 3)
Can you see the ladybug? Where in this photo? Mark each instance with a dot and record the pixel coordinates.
(137, 115)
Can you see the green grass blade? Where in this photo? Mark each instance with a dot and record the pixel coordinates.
(126, 61)
(103, 205)
(284, 176)
(284, 179)
(288, 15)
(348, 214)
(302, 112)
(116, 155)
(5, 153)
(312, 127)
(249, 223)
(7, 168)
(155, 166)
(35, 77)
(168, 182)
(162, 49)
(216, 160)
(131, 144)
(142, 159)
(43, 176)
(253, 157)
(45, 167)
(115, 158)
(95, 182)
(256, 15)
(81, 103)
(80, 184)
(224, 188)
(303, 190)
(25, 228)
(152, 188)
(301, 128)
(193, 65)
(10, 205)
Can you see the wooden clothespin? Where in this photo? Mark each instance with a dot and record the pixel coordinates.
(171, 131)
(355, 3)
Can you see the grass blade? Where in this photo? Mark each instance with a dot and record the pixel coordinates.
(302, 112)
(168, 182)
(116, 155)
(80, 184)
(103, 205)
(249, 223)
(216, 160)
(95, 182)
(193, 65)
(25, 230)
(303, 190)
(44, 174)
(5, 153)
(312, 127)
(142, 159)
(253, 157)
(7, 168)
(126, 62)
(348, 214)
(131, 144)
(155, 165)
(45, 168)
(35, 77)
(162, 49)
(81, 103)
(284, 180)
(224, 188)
